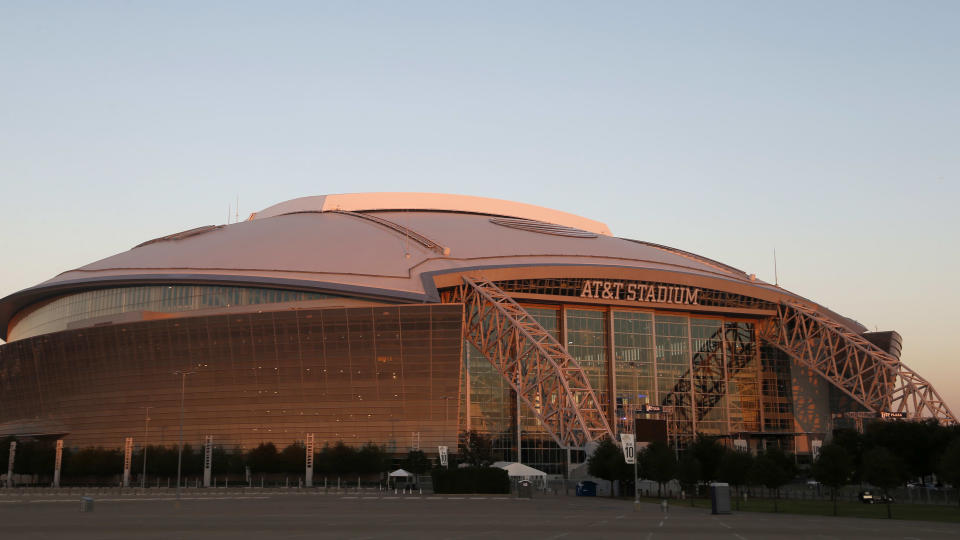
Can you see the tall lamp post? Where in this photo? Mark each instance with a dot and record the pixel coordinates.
(183, 385)
(146, 427)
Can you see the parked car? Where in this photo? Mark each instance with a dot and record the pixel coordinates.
(868, 497)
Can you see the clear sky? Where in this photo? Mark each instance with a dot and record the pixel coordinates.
(825, 130)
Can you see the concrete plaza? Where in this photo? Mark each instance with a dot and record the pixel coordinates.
(211, 514)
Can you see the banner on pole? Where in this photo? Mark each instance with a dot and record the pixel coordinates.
(629, 448)
(443, 456)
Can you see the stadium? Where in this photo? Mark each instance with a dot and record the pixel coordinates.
(409, 319)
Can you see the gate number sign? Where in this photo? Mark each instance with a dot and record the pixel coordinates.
(629, 448)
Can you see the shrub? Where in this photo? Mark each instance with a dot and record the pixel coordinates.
(471, 480)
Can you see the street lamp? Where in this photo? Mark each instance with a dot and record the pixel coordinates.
(183, 385)
(446, 407)
(146, 424)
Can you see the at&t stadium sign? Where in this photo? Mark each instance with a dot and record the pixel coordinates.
(634, 291)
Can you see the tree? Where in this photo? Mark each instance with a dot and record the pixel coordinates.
(949, 466)
(263, 459)
(293, 459)
(371, 459)
(477, 448)
(851, 441)
(416, 462)
(689, 473)
(709, 453)
(734, 469)
(607, 463)
(657, 463)
(773, 469)
(343, 459)
(883, 470)
(833, 468)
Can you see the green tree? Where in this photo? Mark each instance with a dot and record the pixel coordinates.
(883, 470)
(607, 463)
(658, 463)
(476, 448)
(833, 468)
(917, 445)
(709, 453)
(949, 469)
(343, 459)
(293, 459)
(263, 459)
(853, 442)
(773, 469)
(371, 459)
(416, 462)
(689, 473)
(734, 469)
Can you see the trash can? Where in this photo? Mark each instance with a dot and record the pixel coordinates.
(86, 504)
(525, 489)
(720, 498)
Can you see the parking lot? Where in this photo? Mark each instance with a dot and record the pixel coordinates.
(236, 514)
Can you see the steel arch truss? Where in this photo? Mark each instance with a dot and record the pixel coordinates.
(872, 377)
(544, 374)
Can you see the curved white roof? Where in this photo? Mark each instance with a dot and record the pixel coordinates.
(349, 243)
(365, 202)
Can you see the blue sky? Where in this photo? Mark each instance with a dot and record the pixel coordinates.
(825, 130)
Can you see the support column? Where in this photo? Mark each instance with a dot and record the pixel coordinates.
(207, 460)
(13, 453)
(308, 478)
(57, 462)
(127, 457)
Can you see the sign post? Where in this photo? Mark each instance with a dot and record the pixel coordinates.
(13, 452)
(127, 458)
(308, 478)
(207, 460)
(444, 458)
(628, 443)
(57, 462)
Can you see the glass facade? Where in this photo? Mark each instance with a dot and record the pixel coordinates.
(400, 376)
(380, 374)
(55, 315)
(709, 373)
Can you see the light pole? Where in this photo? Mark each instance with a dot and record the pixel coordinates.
(183, 385)
(146, 426)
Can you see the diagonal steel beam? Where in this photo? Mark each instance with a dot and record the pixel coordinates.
(550, 381)
(872, 377)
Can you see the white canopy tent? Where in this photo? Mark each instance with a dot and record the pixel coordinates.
(401, 475)
(519, 471)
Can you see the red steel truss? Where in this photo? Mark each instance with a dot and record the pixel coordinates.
(866, 373)
(546, 377)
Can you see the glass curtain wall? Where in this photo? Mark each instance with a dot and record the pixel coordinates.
(634, 363)
(56, 315)
(709, 376)
(673, 371)
(587, 343)
(707, 370)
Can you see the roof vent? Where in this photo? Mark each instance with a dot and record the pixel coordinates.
(541, 227)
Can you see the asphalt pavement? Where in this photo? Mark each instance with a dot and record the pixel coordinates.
(240, 515)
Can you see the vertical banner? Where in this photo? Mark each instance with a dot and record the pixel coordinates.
(127, 458)
(815, 446)
(13, 452)
(57, 462)
(308, 478)
(444, 459)
(207, 460)
(629, 448)
(740, 445)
